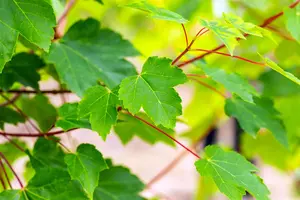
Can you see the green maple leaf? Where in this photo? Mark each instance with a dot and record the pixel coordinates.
(10, 116)
(85, 166)
(278, 69)
(254, 116)
(87, 51)
(128, 127)
(232, 173)
(100, 104)
(33, 20)
(227, 34)
(117, 183)
(153, 90)
(245, 27)
(13, 195)
(232, 82)
(23, 69)
(158, 13)
(43, 113)
(292, 21)
(69, 119)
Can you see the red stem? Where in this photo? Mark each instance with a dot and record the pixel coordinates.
(14, 143)
(166, 134)
(209, 87)
(34, 134)
(196, 75)
(5, 174)
(264, 24)
(2, 181)
(185, 35)
(11, 168)
(228, 55)
(36, 92)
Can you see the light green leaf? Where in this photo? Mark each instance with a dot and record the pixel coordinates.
(254, 116)
(69, 119)
(43, 113)
(33, 19)
(13, 195)
(100, 104)
(224, 32)
(117, 183)
(232, 173)
(128, 127)
(158, 13)
(23, 69)
(153, 90)
(85, 166)
(10, 116)
(88, 51)
(232, 82)
(292, 21)
(239, 23)
(275, 67)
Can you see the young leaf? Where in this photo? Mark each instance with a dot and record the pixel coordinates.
(225, 32)
(292, 21)
(158, 13)
(33, 19)
(254, 116)
(278, 69)
(117, 183)
(23, 69)
(10, 116)
(239, 23)
(153, 90)
(232, 82)
(43, 113)
(232, 173)
(128, 127)
(87, 51)
(85, 166)
(69, 119)
(100, 104)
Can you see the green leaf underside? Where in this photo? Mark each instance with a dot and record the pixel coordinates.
(224, 32)
(158, 13)
(10, 116)
(85, 166)
(100, 104)
(32, 19)
(292, 21)
(117, 183)
(88, 51)
(43, 113)
(254, 116)
(153, 90)
(23, 69)
(69, 119)
(232, 173)
(128, 127)
(278, 69)
(232, 82)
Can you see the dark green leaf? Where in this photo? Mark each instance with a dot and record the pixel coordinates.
(69, 119)
(40, 109)
(254, 116)
(33, 19)
(128, 127)
(85, 166)
(10, 116)
(23, 69)
(232, 173)
(153, 90)
(100, 104)
(158, 13)
(87, 51)
(117, 183)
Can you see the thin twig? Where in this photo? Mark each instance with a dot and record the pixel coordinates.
(228, 55)
(196, 75)
(264, 24)
(5, 174)
(12, 100)
(14, 143)
(11, 168)
(209, 87)
(185, 35)
(280, 33)
(23, 91)
(2, 181)
(35, 134)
